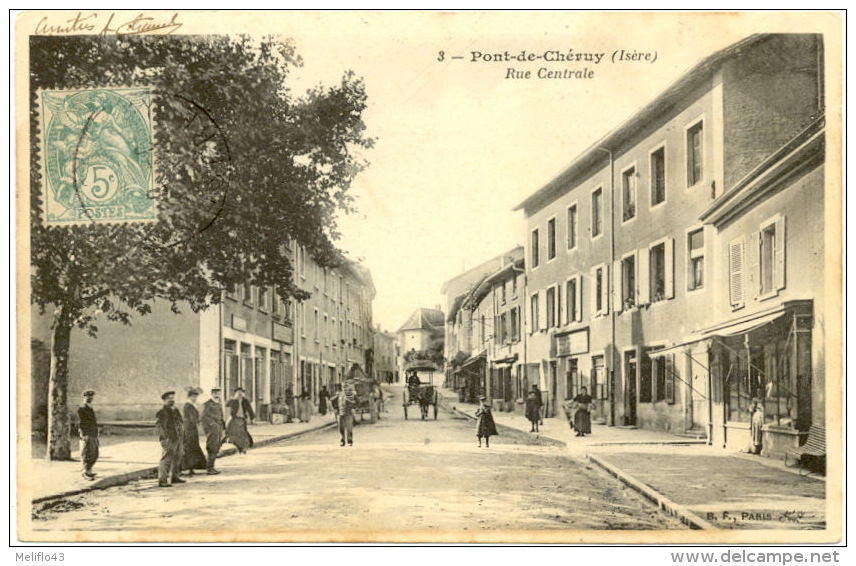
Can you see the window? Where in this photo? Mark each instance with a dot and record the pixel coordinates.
(482, 331)
(628, 191)
(276, 302)
(503, 328)
(551, 307)
(660, 379)
(658, 176)
(695, 164)
(515, 322)
(301, 261)
(658, 272)
(695, 259)
(551, 238)
(645, 389)
(628, 282)
(599, 290)
(772, 256)
(534, 248)
(326, 329)
(263, 296)
(514, 285)
(533, 312)
(503, 292)
(573, 300)
(735, 273)
(572, 226)
(596, 212)
(316, 325)
(248, 293)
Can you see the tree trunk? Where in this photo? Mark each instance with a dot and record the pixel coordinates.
(59, 425)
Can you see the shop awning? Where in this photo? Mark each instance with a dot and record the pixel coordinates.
(509, 360)
(480, 357)
(737, 328)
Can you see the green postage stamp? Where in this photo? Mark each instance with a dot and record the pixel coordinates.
(97, 158)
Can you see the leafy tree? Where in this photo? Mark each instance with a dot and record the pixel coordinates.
(243, 166)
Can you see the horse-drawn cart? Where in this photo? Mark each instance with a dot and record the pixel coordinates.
(418, 392)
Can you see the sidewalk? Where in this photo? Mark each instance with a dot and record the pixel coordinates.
(705, 486)
(136, 457)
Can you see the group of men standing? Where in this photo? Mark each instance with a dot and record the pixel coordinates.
(179, 436)
(178, 433)
(178, 430)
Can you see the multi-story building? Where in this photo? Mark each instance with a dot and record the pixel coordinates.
(484, 349)
(421, 332)
(459, 325)
(334, 327)
(386, 354)
(623, 254)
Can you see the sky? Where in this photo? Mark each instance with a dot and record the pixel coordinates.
(459, 144)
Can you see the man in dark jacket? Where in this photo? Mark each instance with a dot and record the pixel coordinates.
(171, 434)
(213, 425)
(88, 430)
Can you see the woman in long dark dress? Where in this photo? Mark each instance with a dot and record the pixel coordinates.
(241, 411)
(323, 395)
(193, 458)
(485, 427)
(582, 416)
(533, 407)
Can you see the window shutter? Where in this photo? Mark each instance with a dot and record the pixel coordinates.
(779, 272)
(669, 249)
(735, 273)
(559, 319)
(670, 379)
(618, 281)
(579, 297)
(643, 259)
(593, 301)
(605, 288)
(542, 307)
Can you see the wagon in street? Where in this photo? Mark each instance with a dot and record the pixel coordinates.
(419, 392)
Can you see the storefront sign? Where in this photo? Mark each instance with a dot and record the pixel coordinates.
(282, 333)
(572, 343)
(239, 323)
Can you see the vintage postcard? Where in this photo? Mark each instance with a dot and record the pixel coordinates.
(519, 277)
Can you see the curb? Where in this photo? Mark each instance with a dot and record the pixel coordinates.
(150, 473)
(665, 504)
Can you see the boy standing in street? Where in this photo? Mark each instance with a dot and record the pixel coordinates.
(88, 430)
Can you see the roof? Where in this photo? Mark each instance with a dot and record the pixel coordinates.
(480, 269)
(424, 319)
(598, 153)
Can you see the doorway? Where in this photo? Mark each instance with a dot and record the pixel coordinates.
(630, 384)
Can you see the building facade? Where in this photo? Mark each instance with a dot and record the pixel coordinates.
(251, 339)
(334, 327)
(387, 353)
(624, 255)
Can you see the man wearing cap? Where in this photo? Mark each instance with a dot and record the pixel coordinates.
(213, 425)
(88, 430)
(170, 433)
(344, 405)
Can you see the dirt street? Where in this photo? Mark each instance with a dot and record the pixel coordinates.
(400, 475)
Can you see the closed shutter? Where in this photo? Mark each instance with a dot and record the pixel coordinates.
(542, 308)
(593, 301)
(735, 273)
(669, 248)
(670, 379)
(579, 297)
(605, 288)
(643, 262)
(559, 318)
(618, 281)
(779, 268)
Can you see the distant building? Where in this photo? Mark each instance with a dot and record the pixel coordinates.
(485, 346)
(386, 356)
(421, 331)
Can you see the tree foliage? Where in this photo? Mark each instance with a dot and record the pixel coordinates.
(243, 166)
